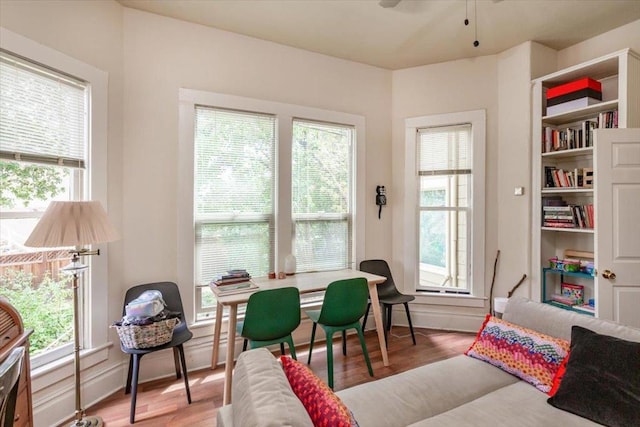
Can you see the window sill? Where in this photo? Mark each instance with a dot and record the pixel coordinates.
(458, 300)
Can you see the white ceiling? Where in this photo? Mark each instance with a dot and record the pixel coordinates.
(415, 32)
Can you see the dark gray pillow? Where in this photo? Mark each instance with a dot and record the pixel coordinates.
(602, 379)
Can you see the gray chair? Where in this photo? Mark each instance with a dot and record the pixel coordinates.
(9, 381)
(181, 334)
(388, 294)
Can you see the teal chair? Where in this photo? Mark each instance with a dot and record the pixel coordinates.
(271, 316)
(345, 302)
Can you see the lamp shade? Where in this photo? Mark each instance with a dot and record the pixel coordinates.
(72, 224)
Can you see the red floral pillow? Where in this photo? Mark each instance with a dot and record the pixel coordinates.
(324, 407)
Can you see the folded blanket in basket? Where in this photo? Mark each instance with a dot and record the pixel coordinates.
(148, 304)
(141, 321)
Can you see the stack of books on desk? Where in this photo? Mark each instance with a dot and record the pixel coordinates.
(233, 282)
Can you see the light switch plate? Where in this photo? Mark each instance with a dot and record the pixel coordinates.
(518, 191)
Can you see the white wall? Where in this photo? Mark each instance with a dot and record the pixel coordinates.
(162, 55)
(514, 170)
(627, 36)
(464, 85)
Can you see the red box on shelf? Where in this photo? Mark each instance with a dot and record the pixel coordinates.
(574, 86)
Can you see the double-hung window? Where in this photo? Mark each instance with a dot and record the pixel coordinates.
(444, 172)
(43, 151)
(445, 179)
(322, 202)
(233, 193)
(53, 146)
(263, 180)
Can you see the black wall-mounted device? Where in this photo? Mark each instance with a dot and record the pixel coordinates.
(381, 198)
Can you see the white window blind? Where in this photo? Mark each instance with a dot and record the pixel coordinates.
(322, 176)
(445, 151)
(43, 114)
(233, 192)
(444, 169)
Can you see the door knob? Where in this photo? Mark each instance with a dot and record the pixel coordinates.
(607, 274)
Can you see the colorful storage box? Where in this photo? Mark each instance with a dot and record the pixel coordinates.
(573, 292)
(564, 264)
(573, 95)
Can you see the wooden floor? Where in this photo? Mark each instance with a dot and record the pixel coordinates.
(164, 402)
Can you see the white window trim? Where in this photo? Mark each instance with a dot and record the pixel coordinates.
(285, 113)
(477, 118)
(95, 333)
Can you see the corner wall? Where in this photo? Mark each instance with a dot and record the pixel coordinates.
(89, 31)
(455, 86)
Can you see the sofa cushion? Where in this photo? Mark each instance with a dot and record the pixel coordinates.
(518, 404)
(323, 406)
(525, 353)
(557, 322)
(261, 393)
(416, 394)
(602, 379)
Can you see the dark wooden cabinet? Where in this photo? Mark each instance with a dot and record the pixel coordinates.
(12, 335)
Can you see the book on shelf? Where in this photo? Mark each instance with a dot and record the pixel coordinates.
(560, 178)
(577, 135)
(567, 216)
(587, 128)
(587, 177)
(608, 119)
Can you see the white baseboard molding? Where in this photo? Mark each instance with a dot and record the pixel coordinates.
(55, 404)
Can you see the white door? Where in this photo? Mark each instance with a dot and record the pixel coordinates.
(617, 234)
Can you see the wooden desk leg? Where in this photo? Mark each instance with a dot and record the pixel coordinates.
(217, 329)
(377, 316)
(231, 344)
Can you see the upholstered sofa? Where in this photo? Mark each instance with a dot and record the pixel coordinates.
(460, 391)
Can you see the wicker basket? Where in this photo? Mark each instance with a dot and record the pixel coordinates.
(146, 336)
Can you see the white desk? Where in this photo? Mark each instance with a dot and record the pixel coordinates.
(305, 282)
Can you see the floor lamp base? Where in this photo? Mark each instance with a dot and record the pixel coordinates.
(88, 422)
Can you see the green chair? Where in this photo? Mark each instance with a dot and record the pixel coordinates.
(345, 302)
(271, 316)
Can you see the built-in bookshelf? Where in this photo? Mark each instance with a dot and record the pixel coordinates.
(564, 173)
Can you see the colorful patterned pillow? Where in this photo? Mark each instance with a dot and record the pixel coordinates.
(324, 407)
(525, 353)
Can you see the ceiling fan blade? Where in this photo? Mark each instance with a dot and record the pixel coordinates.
(389, 3)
